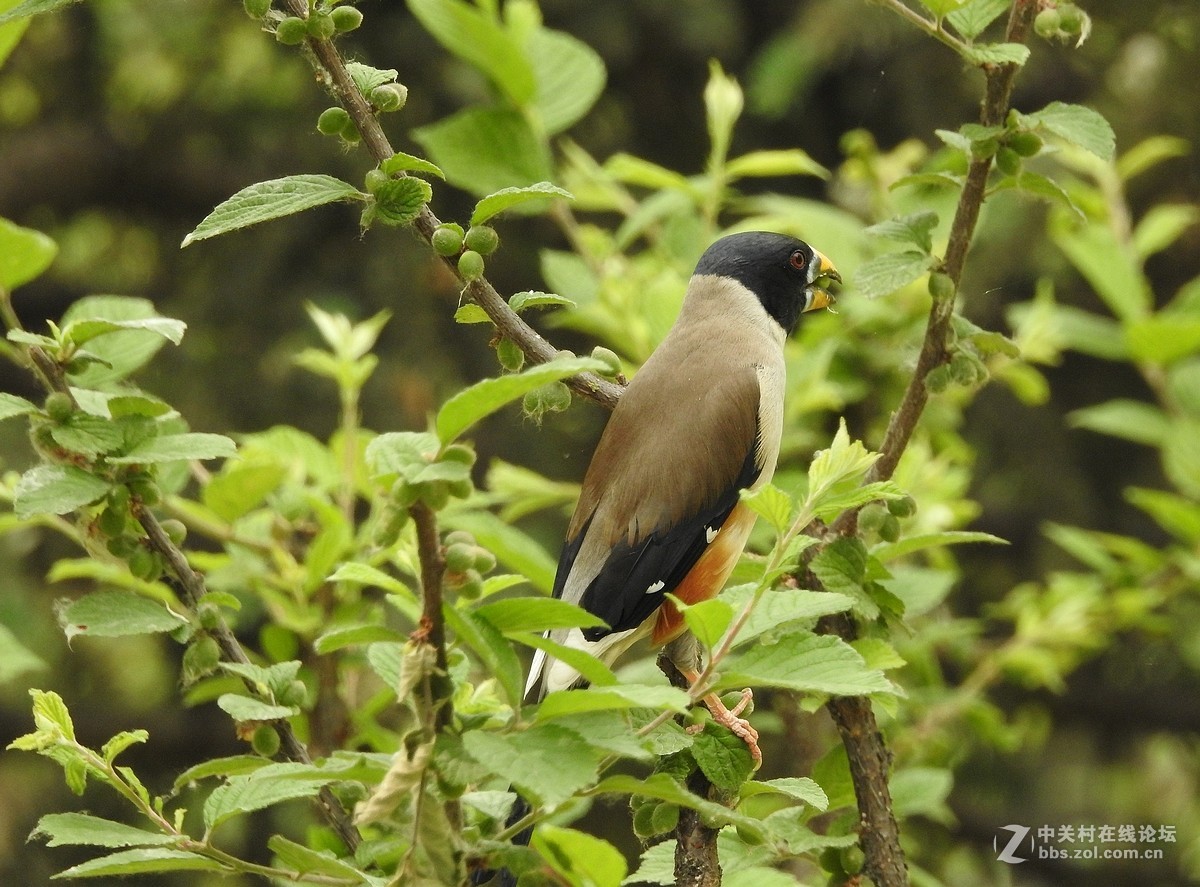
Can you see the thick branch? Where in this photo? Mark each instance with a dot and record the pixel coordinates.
(339, 82)
(432, 629)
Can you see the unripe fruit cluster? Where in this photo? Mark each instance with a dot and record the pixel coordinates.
(466, 564)
(320, 25)
(1064, 22)
(478, 241)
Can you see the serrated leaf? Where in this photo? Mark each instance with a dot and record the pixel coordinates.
(114, 614)
(580, 858)
(245, 794)
(188, 446)
(12, 405)
(66, 829)
(484, 150)
(799, 788)
(531, 299)
(242, 486)
(569, 76)
(547, 761)
(885, 274)
(306, 860)
(479, 38)
(409, 163)
(525, 614)
(471, 313)
(24, 252)
(119, 353)
(1047, 189)
(483, 398)
(399, 201)
(491, 647)
(82, 331)
(506, 198)
(778, 608)
(235, 765)
(367, 78)
(1078, 125)
(887, 551)
(121, 742)
(271, 200)
(593, 670)
(722, 756)
(56, 489)
(804, 662)
(707, 620)
(788, 162)
(996, 53)
(915, 229)
(973, 17)
(772, 503)
(144, 861)
(247, 708)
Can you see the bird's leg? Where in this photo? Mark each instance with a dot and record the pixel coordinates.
(729, 718)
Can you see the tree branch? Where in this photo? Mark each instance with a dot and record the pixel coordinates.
(332, 68)
(869, 757)
(432, 629)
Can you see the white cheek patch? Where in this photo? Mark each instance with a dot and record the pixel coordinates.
(656, 587)
(710, 533)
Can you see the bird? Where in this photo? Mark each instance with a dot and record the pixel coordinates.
(660, 509)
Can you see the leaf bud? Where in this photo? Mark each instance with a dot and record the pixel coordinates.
(610, 359)
(389, 96)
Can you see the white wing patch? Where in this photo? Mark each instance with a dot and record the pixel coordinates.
(656, 587)
(710, 533)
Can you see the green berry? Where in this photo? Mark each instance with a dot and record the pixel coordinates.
(485, 561)
(903, 507)
(459, 536)
(1072, 18)
(1026, 144)
(146, 490)
(320, 25)
(346, 18)
(265, 741)
(461, 489)
(176, 530)
(852, 859)
(447, 240)
(404, 493)
(291, 31)
(256, 8)
(111, 521)
(460, 453)
(511, 357)
(200, 658)
(470, 586)
(391, 522)
(664, 818)
(871, 518)
(210, 617)
(144, 564)
(121, 546)
(483, 239)
(332, 121)
(59, 406)
(889, 529)
(389, 96)
(460, 558)
(295, 693)
(375, 179)
(1008, 161)
(350, 131)
(470, 265)
(643, 821)
(1048, 23)
(435, 494)
(609, 358)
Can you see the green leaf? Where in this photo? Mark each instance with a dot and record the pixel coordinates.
(662, 787)
(399, 201)
(271, 200)
(477, 37)
(1077, 125)
(64, 829)
(245, 794)
(722, 756)
(354, 635)
(122, 741)
(81, 331)
(178, 447)
(885, 274)
(1164, 337)
(804, 662)
(618, 696)
(707, 620)
(1107, 265)
(401, 162)
(484, 150)
(15, 659)
(1149, 153)
(513, 547)
(630, 170)
(247, 708)
(915, 229)
(122, 352)
(12, 405)
(549, 762)
(569, 74)
(778, 608)
(56, 489)
(922, 791)
(531, 299)
(972, 18)
(144, 861)
(31, 8)
(1161, 226)
(307, 861)
(24, 253)
(1128, 419)
(471, 313)
(522, 614)
(506, 198)
(1046, 189)
(113, 614)
(772, 503)
(580, 859)
(788, 162)
(242, 486)
(940, 8)
(482, 399)
(367, 78)
(799, 788)
(996, 53)
(496, 653)
(1176, 514)
(887, 551)
(593, 670)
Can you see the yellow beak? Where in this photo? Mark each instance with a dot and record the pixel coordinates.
(826, 276)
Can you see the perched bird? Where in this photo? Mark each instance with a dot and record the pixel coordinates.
(660, 509)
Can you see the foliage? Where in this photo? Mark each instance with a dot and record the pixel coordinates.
(395, 585)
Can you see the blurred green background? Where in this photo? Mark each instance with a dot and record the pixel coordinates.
(123, 122)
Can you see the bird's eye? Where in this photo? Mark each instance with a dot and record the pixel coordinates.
(798, 260)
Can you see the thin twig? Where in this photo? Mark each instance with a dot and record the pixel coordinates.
(536, 348)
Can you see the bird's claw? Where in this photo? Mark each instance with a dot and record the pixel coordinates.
(740, 727)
